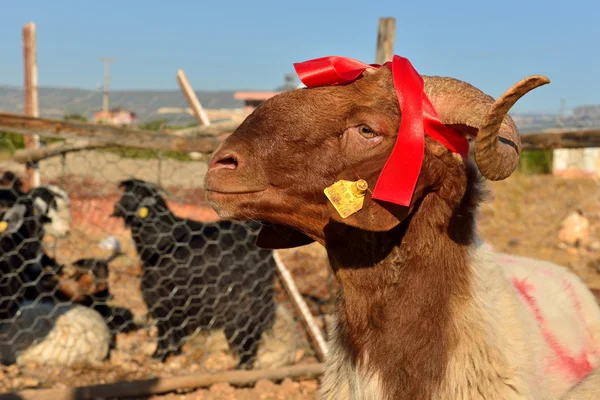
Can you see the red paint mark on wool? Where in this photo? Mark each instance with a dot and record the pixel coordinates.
(579, 367)
(507, 260)
(590, 343)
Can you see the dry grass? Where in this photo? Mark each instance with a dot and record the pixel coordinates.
(525, 214)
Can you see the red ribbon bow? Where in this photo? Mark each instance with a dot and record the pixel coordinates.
(399, 175)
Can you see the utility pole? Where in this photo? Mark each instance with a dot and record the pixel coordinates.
(31, 98)
(563, 107)
(106, 87)
(386, 34)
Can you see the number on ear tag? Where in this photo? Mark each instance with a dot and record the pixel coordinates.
(347, 197)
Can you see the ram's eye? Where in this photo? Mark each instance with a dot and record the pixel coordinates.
(366, 132)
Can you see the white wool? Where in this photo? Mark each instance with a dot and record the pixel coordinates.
(54, 335)
(502, 352)
(278, 345)
(568, 307)
(588, 389)
(343, 379)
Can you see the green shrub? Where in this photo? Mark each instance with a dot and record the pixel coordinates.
(75, 117)
(536, 162)
(10, 142)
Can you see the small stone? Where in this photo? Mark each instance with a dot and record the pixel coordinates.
(309, 387)
(289, 385)
(575, 230)
(147, 348)
(193, 367)
(174, 363)
(13, 370)
(222, 391)
(513, 243)
(264, 385)
(119, 357)
(219, 361)
(29, 382)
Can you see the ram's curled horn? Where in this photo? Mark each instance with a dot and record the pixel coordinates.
(498, 145)
(468, 109)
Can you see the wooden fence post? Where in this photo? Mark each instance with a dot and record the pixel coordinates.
(187, 90)
(289, 285)
(385, 40)
(31, 98)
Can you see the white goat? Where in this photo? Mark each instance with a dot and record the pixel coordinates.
(54, 335)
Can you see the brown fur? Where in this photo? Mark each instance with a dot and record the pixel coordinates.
(402, 270)
(398, 286)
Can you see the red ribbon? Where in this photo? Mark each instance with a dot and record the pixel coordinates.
(399, 175)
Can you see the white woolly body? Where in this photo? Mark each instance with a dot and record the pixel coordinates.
(588, 389)
(54, 335)
(503, 350)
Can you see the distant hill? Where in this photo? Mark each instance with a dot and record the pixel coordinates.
(56, 102)
(580, 117)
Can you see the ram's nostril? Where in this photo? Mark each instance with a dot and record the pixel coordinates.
(225, 161)
(229, 162)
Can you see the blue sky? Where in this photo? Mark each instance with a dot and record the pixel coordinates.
(250, 44)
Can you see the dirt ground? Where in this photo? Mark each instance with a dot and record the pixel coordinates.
(522, 217)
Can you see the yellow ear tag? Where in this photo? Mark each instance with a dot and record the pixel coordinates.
(35, 211)
(3, 226)
(347, 197)
(142, 212)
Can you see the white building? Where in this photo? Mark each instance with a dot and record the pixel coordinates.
(576, 162)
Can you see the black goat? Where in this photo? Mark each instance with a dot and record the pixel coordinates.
(22, 275)
(33, 275)
(91, 275)
(199, 275)
(50, 200)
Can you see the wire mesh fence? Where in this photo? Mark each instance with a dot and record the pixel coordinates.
(116, 269)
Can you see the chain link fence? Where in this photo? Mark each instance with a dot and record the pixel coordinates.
(116, 269)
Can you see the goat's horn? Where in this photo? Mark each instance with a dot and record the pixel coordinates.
(468, 109)
(498, 145)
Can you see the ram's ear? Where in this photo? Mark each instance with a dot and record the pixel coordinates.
(274, 237)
